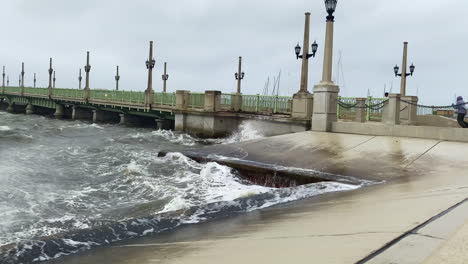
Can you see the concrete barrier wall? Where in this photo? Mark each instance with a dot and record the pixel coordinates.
(437, 121)
(378, 129)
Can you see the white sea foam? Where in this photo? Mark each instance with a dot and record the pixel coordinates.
(182, 139)
(5, 128)
(213, 183)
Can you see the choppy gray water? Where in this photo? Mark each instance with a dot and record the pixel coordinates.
(65, 178)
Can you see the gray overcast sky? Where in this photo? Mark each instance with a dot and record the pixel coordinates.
(202, 39)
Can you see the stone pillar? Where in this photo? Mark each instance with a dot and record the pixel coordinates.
(50, 78)
(87, 70)
(81, 113)
(326, 92)
(392, 113)
(182, 99)
(302, 105)
(100, 116)
(409, 110)
(10, 108)
(360, 110)
(58, 111)
(29, 109)
(403, 70)
(236, 102)
(305, 59)
(212, 101)
(163, 124)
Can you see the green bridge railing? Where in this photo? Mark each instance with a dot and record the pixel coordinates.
(250, 103)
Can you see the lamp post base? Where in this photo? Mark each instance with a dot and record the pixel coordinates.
(325, 105)
(302, 105)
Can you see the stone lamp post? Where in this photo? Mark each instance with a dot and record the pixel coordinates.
(165, 77)
(150, 62)
(403, 73)
(303, 100)
(80, 78)
(51, 70)
(53, 79)
(117, 78)
(326, 92)
(87, 69)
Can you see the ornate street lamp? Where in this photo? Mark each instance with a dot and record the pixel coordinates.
(298, 48)
(34, 80)
(396, 69)
(330, 5)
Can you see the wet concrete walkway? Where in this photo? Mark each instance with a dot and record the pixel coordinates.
(422, 203)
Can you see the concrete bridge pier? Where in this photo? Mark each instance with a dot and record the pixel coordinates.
(58, 111)
(79, 113)
(100, 116)
(29, 109)
(164, 124)
(11, 108)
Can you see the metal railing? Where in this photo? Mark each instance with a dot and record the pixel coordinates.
(266, 103)
(165, 99)
(197, 100)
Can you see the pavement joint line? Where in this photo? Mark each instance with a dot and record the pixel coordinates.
(411, 163)
(409, 232)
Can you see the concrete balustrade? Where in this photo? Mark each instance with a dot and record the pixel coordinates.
(212, 101)
(409, 110)
(392, 113)
(360, 110)
(236, 102)
(182, 99)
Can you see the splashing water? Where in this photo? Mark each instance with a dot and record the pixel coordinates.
(60, 177)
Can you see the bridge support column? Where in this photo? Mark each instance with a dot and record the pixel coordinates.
(212, 101)
(236, 102)
(58, 111)
(409, 110)
(164, 124)
(100, 116)
(325, 104)
(10, 108)
(29, 109)
(360, 110)
(182, 99)
(392, 113)
(302, 105)
(81, 113)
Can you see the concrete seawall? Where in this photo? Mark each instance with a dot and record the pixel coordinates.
(402, 220)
